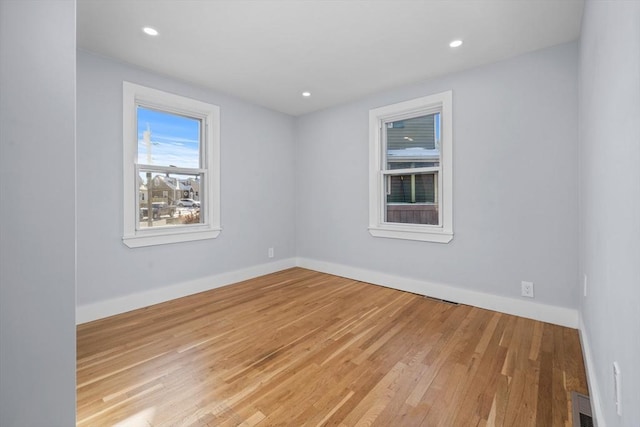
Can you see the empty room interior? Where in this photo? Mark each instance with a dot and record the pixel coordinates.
(278, 212)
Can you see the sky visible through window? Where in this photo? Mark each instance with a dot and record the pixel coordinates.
(174, 139)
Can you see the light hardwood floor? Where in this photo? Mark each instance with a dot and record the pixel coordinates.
(301, 348)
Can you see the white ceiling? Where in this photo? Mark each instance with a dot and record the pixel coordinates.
(269, 51)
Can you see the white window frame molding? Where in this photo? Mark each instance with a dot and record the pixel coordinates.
(135, 95)
(378, 117)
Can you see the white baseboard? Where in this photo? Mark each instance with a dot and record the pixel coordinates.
(594, 393)
(532, 310)
(546, 313)
(88, 312)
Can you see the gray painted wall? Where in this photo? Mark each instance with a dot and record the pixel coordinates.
(610, 200)
(37, 218)
(257, 150)
(515, 182)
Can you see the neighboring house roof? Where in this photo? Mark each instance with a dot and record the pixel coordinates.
(414, 153)
(161, 181)
(172, 183)
(195, 184)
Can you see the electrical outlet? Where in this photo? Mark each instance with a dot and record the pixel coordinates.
(271, 253)
(527, 289)
(585, 285)
(617, 384)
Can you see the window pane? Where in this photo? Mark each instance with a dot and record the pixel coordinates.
(167, 139)
(412, 199)
(414, 142)
(175, 199)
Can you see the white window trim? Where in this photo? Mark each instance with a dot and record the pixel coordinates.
(442, 233)
(210, 114)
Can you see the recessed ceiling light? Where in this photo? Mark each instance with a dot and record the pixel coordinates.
(150, 31)
(306, 94)
(456, 43)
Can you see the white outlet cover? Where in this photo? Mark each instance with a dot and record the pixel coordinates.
(527, 289)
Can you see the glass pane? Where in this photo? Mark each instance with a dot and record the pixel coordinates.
(175, 199)
(413, 143)
(167, 139)
(412, 199)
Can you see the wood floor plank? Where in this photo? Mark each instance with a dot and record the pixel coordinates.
(300, 347)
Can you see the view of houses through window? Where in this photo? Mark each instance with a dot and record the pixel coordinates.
(412, 167)
(169, 174)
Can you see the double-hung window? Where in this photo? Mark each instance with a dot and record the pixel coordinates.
(410, 169)
(171, 167)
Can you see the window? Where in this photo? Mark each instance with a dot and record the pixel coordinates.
(410, 176)
(171, 167)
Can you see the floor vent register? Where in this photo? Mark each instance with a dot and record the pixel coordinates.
(581, 410)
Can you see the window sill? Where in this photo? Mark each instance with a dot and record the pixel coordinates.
(436, 235)
(153, 239)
